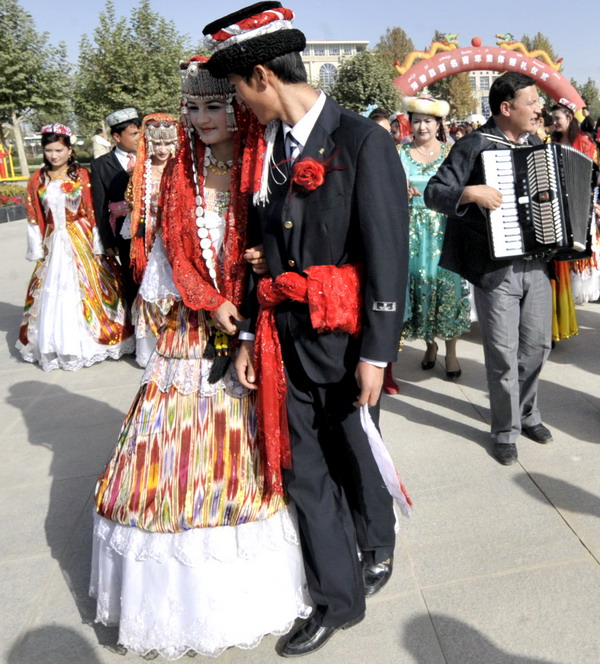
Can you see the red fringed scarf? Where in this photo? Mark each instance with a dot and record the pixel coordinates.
(334, 299)
(177, 210)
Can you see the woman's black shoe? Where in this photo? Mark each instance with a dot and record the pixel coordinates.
(426, 365)
(453, 375)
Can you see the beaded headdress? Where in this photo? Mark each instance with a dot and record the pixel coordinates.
(198, 84)
(160, 130)
(57, 128)
(251, 36)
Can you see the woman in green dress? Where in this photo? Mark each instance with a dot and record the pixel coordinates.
(439, 299)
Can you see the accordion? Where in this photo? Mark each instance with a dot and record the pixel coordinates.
(546, 201)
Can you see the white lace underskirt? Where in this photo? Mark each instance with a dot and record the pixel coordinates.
(585, 285)
(203, 590)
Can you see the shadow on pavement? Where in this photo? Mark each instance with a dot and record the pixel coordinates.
(431, 418)
(81, 433)
(561, 494)
(459, 642)
(10, 321)
(52, 644)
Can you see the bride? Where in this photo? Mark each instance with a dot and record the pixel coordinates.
(192, 550)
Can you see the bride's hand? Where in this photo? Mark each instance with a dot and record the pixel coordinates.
(225, 316)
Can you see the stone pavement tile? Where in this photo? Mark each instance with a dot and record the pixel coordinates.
(378, 638)
(547, 615)
(39, 518)
(69, 452)
(22, 584)
(484, 527)
(573, 489)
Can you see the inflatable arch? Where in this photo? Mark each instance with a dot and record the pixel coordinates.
(509, 56)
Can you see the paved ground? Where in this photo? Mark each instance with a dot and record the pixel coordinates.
(498, 565)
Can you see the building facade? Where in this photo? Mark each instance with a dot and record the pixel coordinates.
(323, 58)
(481, 81)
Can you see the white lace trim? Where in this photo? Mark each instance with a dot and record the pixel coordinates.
(190, 376)
(240, 586)
(52, 361)
(195, 546)
(157, 284)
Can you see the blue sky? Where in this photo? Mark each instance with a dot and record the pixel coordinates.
(573, 28)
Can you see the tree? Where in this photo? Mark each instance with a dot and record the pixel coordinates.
(365, 79)
(129, 63)
(35, 81)
(395, 45)
(461, 99)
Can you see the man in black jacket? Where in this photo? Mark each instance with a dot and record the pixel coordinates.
(356, 215)
(110, 177)
(512, 297)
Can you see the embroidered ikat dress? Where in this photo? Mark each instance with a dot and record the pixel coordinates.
(439, 299)
(74, 312)
(191, 552)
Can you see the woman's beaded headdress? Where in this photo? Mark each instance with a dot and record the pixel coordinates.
(198, 84)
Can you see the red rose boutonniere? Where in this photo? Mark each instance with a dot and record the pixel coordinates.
(70, 187)
(308, 174)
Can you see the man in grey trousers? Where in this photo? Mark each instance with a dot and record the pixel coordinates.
(512, 297)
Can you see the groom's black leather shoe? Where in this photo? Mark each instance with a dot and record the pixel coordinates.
(310, 637)
(376, 576)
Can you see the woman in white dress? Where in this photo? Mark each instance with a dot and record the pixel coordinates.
(74, 311)
(195, 549)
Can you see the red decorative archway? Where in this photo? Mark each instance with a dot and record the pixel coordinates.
(475, 58)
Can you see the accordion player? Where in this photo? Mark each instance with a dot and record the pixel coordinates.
(546, 201)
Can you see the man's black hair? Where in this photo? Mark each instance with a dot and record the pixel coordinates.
(122, 126)
(289, 68)
(505, 88)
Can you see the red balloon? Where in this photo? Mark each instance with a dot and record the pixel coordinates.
(476, 41)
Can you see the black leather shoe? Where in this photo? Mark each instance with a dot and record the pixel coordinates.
(506, 453)
(426, 365)
(376, 576)
(310, 637)
(537, 432)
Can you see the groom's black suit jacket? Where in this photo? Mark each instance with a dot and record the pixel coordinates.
(358, 215)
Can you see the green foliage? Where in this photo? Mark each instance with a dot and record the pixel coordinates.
(129, 63)
(461, 98)
(35, 75)
(365, 79)
(395, 45)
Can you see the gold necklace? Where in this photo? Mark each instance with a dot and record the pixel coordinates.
(217, 167)
(58, 174)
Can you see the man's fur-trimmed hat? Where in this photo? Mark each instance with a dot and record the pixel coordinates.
(251, 36)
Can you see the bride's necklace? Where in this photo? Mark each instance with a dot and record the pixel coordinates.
(426, 153)
(59, 174)
(206, 244)
(217, 167)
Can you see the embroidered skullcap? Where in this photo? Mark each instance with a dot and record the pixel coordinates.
(436, 107)
(57, 128)
(121, 115)
(251, 36)
(197, 83)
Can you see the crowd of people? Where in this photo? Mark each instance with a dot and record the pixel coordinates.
(264, 256)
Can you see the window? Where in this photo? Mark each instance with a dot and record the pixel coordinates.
(473, 82)
(347, 49)
(484, 83)
(319, 50)
(327, 74)
(334, 50)
(306, 51)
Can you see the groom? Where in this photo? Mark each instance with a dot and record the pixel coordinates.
(349, 210)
